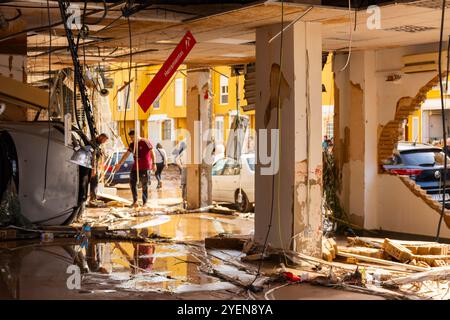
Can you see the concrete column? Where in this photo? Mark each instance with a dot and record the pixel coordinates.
(356, 126)
(288, 196)
(199, 117)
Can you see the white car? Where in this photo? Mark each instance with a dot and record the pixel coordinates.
(229, 176)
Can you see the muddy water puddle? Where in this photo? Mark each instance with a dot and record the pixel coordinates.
(116, 269)
(189, 227)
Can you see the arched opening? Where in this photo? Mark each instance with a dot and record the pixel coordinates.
(398, 130)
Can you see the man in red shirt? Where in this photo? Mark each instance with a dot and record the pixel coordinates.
(145, 157)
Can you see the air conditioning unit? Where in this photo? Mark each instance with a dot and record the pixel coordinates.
(424, 62)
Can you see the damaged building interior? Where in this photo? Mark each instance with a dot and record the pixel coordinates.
(180, 150)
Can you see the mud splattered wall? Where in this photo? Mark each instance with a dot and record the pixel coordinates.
(13, 66)
(291, 200)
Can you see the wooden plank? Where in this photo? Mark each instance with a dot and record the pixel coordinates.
(363, 251)
(114, 198)
(381, 261)
(435, 274)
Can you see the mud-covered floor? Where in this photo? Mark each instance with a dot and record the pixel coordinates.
(130, 270)
(176, 266)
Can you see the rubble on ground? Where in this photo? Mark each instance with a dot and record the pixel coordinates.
(393, 269)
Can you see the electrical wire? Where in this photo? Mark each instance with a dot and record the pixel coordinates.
(105, 12)
(448, 65)
(444, 133)
(266, 295)
(49, 103)
(351, 36)
(129, 83)
(75, 76)
(292, 23)
(278, 148)
(356, 13)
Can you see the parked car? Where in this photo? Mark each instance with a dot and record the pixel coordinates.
(123, 174)
(229, 176)
(424, 164)
(37, 186)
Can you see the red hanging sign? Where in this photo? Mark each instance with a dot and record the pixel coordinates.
(166, 72)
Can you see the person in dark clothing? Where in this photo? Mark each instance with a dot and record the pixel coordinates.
(144, 160)
(161, 163)
(96, 159)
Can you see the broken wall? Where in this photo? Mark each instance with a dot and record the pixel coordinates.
(367, 111)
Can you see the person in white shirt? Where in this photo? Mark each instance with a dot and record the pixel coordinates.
(161, 163)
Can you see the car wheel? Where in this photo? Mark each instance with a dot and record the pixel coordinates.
(244, 205)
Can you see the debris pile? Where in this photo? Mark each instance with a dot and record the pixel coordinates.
(415, 255)
(393, 269)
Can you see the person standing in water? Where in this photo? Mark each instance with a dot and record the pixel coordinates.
(144, 161)
(161, 163)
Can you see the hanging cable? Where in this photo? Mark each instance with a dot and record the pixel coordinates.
(356, 13)
(444, 133)
(448, 66)
(129, 83)
(351, 36)
(278, 148)
(49, 101)
(77, 116)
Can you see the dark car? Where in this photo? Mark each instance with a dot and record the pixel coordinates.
(424, 164)
(123, 174)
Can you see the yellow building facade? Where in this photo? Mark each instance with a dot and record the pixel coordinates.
(328, 98)
(425, 125)
(167, 114)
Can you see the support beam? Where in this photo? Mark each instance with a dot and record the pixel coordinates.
(288, 195)
(199, 117)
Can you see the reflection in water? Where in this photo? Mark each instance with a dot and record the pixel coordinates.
(195, 227)
(39, 270)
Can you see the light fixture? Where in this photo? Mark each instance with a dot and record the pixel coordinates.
(82, 157)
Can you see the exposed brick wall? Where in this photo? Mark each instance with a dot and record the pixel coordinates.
(391, 133)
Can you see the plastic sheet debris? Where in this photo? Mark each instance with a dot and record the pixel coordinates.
(10, 212)
(292, 277)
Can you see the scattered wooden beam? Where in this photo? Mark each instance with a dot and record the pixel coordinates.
(113, 198)
(435, 274)
(381, 261)
(363, 251)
